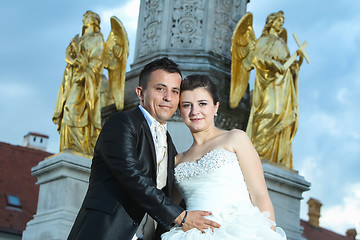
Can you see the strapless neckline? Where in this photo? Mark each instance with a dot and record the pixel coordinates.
(205, 155)
(209, 162)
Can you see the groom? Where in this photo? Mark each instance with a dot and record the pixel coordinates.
(132, 169)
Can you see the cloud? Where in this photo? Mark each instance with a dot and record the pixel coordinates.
(345, 214)
(128, 16)
(341, 95)
(327, 146)
(346, 32)
(310, 169)
(13, 90)
(323, 123)
(125, 13)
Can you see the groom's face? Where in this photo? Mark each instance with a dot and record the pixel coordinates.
(161, 97)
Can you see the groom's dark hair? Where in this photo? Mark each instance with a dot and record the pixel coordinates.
(194, 81)
(164, 63)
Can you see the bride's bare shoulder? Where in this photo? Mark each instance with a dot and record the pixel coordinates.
(178, 158)
(238, 134)
(235, 138)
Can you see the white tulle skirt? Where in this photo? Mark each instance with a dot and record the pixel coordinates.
(249, 224)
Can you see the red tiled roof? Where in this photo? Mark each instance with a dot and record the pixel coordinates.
(319, 233)
(16, 180)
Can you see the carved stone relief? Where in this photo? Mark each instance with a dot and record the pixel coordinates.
(154, 9)
(227, 14)
(187, 30)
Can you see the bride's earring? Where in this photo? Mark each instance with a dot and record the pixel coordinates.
(215, 114)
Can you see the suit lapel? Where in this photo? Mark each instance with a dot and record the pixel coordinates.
(170, 149)
(148, 135)
(170, 172)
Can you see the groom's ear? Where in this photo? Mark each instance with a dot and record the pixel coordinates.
(140, 93)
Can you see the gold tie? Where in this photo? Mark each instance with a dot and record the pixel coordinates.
(161, 143)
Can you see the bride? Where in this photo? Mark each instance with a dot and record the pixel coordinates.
(220, 172)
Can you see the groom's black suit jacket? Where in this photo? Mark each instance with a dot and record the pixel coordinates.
(122, 185)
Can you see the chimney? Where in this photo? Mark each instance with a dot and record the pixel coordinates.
(351, 233)
(36, 141)
(314, 211)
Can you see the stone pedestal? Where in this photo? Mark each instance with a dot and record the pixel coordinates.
(63, 180)
(285, 188)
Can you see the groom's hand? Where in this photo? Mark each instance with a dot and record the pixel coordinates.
(196, 219)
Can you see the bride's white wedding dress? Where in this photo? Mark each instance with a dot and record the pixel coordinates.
(215, 183)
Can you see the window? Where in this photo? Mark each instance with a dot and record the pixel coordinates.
(13, 201)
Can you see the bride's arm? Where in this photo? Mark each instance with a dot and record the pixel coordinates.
(175, 194)
(253, 173)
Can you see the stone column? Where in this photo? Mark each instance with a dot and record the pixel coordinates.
(285, 189)
(63, 180)
(196, 34)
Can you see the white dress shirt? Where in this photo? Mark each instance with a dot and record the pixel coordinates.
(147, 226)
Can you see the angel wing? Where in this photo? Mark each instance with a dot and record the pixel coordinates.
(115, 57)
(242, 51)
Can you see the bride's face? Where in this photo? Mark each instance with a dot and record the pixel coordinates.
(197, 109)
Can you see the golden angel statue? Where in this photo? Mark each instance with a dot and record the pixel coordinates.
(273, 117)
(84, 90)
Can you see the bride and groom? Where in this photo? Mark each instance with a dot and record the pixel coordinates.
(136, 182)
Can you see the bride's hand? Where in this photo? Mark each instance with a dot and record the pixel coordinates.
(195, 219)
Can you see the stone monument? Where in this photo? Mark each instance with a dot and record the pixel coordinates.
(197, 35)
(63, 178)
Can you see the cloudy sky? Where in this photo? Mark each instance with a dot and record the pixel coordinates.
(327, 145)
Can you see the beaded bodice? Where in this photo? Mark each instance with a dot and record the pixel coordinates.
(207, 163)
(204, 183)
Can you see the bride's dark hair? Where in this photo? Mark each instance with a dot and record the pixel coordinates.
(194, 81)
